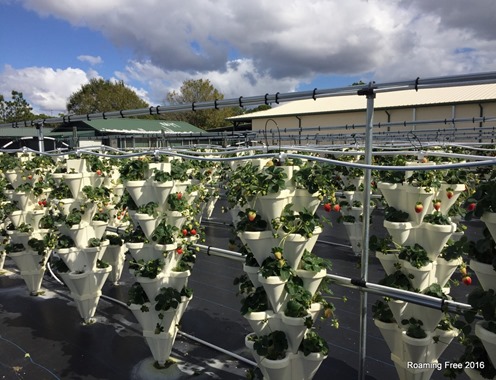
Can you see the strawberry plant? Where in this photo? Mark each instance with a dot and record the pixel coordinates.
(455, 249)
(414, 328)
(74, 217)
(483, 250)
(94, 242)
(134, 170)
(313, 343)
(161, 176)
(271, 180)
(393, 215)
(416, 255)
(65, 241)
(149, 269)
(135, 235)
(397, 280)
(136, 295)
(299, 302)
(437, 218)
(166, 299)
(11, 248)
(301, 223)
(164, 233)
(272, 266)
(96, 193)
(114, 239)
(61, 191)
(101, 216)
(382, 312)
(254, 302)
(249, 220)
(151, 209)
(177, 202)
(272, 346)
(313, 263)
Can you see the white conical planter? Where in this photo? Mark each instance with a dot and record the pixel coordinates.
(485, 273)
(276, 369)
(177, 280)
(259, 321)
(92, 255)
(148, 223)
(162, 191)
(17, 218)
(294, 246)
(422, 277)
(394, 194)
(151, 286)
(33, 280)
(418, 350)
(75, 259)
(315, 310)
(302, 200)
(392, 336)
(17, 237)
(444, 338)
(78, 233)
(444, 269)
(276, 293)
(14, 178)
(175, 218)
(295, 330)
(143, 251)
(252, 273)
(3, 255)
(181, 186)
(115, 256)
(388, 261)
(160, 345)
(402, 233)
(489, 218)
(33, 218)
(260, 243)
(182, 307)
(87, 305)
(447, 203)
(309, 365)
(83, 283)
(146, 319)
(74, 181)
(26, 261)
(23, 199)
(99, 228)
(210, 206)
(430, 317)
(488, 339)
(414, 195)
(65, 205)
(435, 237)
(140, 191)
(270, 206)
(398, 308)
(311, 280)
(354, 231)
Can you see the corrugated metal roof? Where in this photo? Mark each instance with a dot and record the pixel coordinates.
(134, 126)
(384, 100)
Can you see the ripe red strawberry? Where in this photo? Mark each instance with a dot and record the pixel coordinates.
(179, 195)
(327, 207)
(193, 232)
(419, 207)
(44, 201)
(30, 176)
(40, 203)
(98, 172)
(185, 232)
(450, 194)
(251, 215)
(437, 204)
(179, 250)
(336, 208)
(471, 206)
(467, 280)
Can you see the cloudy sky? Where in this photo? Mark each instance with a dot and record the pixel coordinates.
(50, 48)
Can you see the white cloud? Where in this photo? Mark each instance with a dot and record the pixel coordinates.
(45, 89)
(249, 47)
(91, 59)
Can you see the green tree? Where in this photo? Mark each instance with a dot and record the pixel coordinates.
(16, 109)
(200, 90)
(101, 95)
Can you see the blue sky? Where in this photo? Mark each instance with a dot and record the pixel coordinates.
(50, 48)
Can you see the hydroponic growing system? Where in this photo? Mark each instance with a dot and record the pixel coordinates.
(82, 216)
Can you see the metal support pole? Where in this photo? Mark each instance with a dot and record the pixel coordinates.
(41, 142)
(370, 94)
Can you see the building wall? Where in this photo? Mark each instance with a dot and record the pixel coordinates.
(341, 125)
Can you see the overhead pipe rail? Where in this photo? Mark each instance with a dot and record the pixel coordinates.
(416, 84)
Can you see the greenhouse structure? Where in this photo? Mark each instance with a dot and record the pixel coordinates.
(344, 235)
